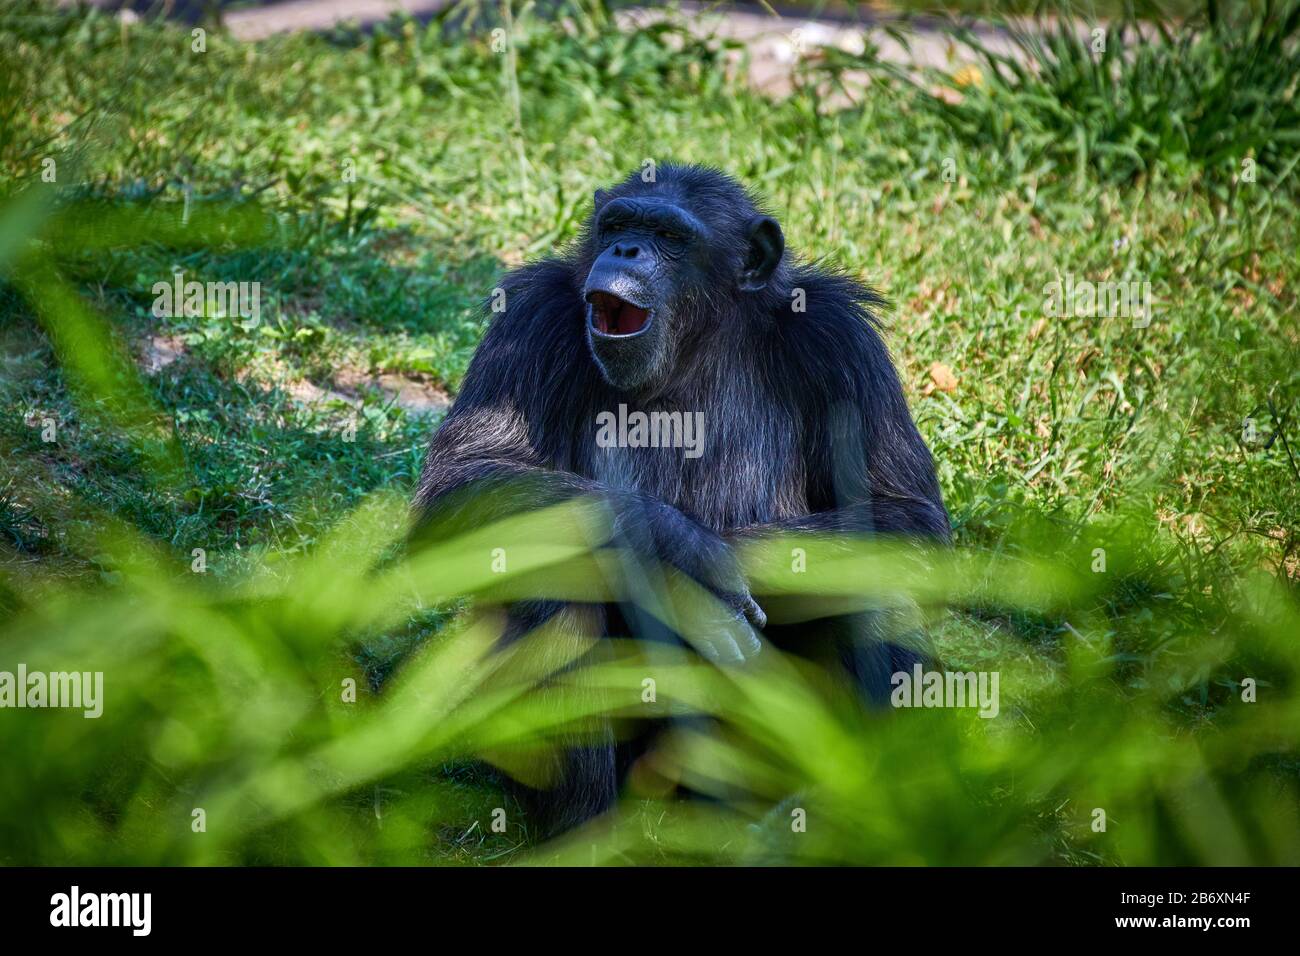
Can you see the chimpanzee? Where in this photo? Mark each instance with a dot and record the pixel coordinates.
(679, 296)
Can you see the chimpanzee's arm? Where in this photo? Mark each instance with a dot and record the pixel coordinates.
(867, 468)
(482, 466)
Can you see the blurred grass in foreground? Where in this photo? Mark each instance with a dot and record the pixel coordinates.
(231, 698)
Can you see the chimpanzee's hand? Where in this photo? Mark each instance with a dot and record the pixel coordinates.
(722, 630)
(727, 637)
(720, 623)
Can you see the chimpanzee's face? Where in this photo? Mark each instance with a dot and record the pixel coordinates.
(654, 260)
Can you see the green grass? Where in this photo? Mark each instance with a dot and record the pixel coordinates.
(1061, 435)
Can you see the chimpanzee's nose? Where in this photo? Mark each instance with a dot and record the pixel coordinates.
(624, 251)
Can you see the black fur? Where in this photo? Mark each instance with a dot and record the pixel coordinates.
(806, 423)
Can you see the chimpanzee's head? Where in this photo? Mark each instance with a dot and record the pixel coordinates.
(666, 258)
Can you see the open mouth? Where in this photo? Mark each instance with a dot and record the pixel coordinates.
(611, 315)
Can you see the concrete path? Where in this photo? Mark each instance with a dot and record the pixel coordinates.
(775, 44)
(255, 23)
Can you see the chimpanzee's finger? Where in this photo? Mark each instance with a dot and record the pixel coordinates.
(724, 647)
(748, 641)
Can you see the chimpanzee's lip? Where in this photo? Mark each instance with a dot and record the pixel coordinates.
(613, 317)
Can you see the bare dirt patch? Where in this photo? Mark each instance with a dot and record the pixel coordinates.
(347, 385)
(414, 395)
(159, 351)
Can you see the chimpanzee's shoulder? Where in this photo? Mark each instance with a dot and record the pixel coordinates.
(537, 305)
(834, 300)
(829, 329)
(542, 298)
(533, 348)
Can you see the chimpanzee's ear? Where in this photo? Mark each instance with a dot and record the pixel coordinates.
(598, 198)
(766, 246)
